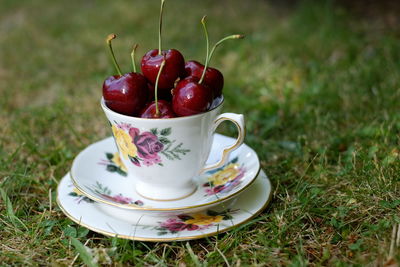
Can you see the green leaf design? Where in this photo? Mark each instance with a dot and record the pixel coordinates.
(73, 194)
(234, 160)
(154, 131)
(166, 131)
(112, 168)
(227, 217)
(225, 214)
(174, 153)
(102, 189)
(162, 233)
(168, 156)
(109, 156)
(121, 172)
(185, 217)
(134, 159)
(88, 200)
(164, 140)
(212, 213)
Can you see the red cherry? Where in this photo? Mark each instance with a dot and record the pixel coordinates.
(174, 67)
(162, 94)
(164, 108)
(213, 77)
(190, 97)
(126, 94)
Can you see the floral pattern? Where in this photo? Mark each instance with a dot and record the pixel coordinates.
(146, 148)
(114, 164)
(124, 142)
(193, 222)
(106, 193)
(79, 197)
(224, 179)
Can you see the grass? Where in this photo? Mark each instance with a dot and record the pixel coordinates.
(318, 84)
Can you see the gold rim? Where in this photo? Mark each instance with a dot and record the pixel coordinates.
(164, 239)
(135, 207)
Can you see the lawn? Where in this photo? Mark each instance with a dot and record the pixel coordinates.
(318, 83)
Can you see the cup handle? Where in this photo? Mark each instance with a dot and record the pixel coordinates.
(238, 120)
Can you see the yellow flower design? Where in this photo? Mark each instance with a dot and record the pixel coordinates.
(117, 161)
(76, 191)
(229, 173)
(203, 219)
(124, 142)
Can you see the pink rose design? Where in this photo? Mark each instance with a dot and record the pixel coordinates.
(121, 199)
(225, 187)
(215, 190)
(192, 227)
(138, 202)
(174, 225)
(148, 146)
(133, 132)
(124, 126)
(135, 161)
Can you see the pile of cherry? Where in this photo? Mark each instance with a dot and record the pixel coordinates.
(168, 87)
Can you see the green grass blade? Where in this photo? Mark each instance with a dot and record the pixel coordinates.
(10, 212)
(193, 256)
(83, 253)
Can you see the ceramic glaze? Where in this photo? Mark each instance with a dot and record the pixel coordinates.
(164, 155)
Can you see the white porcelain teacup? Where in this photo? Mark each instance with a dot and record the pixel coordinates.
(163, 155)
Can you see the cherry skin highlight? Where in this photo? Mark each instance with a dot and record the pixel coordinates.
(213, 77)
(174, 67)
(190, 97)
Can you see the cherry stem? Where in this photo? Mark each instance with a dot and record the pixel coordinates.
(203, 22)
(230, 37)
(108, 40)
(156, 87)
(133, 57)
(160, 26)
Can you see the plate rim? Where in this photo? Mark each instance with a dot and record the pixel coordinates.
(194, 237)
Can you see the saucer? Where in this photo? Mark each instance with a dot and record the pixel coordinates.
(181, 226)
(98, 173)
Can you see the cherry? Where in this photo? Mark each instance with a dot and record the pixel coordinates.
(158, 109)
(165, 110)
(174, 67)
(191, 97)
(174, 62)
(162, 94)
(124, 93)
(213, 77)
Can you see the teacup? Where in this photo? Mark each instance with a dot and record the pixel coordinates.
(164, 155)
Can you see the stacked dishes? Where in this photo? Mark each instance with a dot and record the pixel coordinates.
(99, 194)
